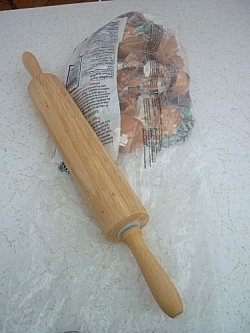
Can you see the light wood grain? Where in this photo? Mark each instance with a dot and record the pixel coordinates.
(161, 286)
(110, 198)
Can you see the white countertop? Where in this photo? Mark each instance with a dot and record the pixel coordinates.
(216, 40)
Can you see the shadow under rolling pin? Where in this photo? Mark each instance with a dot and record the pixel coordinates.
(111, 200)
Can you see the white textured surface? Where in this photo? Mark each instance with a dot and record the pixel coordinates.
(215, 36)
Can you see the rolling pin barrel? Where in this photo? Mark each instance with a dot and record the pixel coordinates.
(111, 200)
(106, 192)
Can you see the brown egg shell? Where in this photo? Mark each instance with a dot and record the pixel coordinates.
(131, 45)
(168, 120)
(128, 104)
(129, 31)
(133, 128)
(133, 60)
(123, 76)
(179, 61)
(181, 84)
(168, 47)
(132, 42)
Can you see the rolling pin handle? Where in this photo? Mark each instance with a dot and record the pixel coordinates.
(31, 64)
(158, 281)
(67, 126)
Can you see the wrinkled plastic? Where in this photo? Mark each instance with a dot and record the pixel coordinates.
(130, 80)
(153, 87)
(70, 278)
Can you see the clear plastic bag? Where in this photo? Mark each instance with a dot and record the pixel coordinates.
(70, 278)
(130, 79)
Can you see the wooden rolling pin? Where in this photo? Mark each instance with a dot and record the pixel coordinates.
(111, 200)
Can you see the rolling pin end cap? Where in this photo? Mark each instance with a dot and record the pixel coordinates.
(127, 227)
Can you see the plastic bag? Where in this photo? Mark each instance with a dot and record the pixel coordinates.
(70, 278)
(130, 81)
